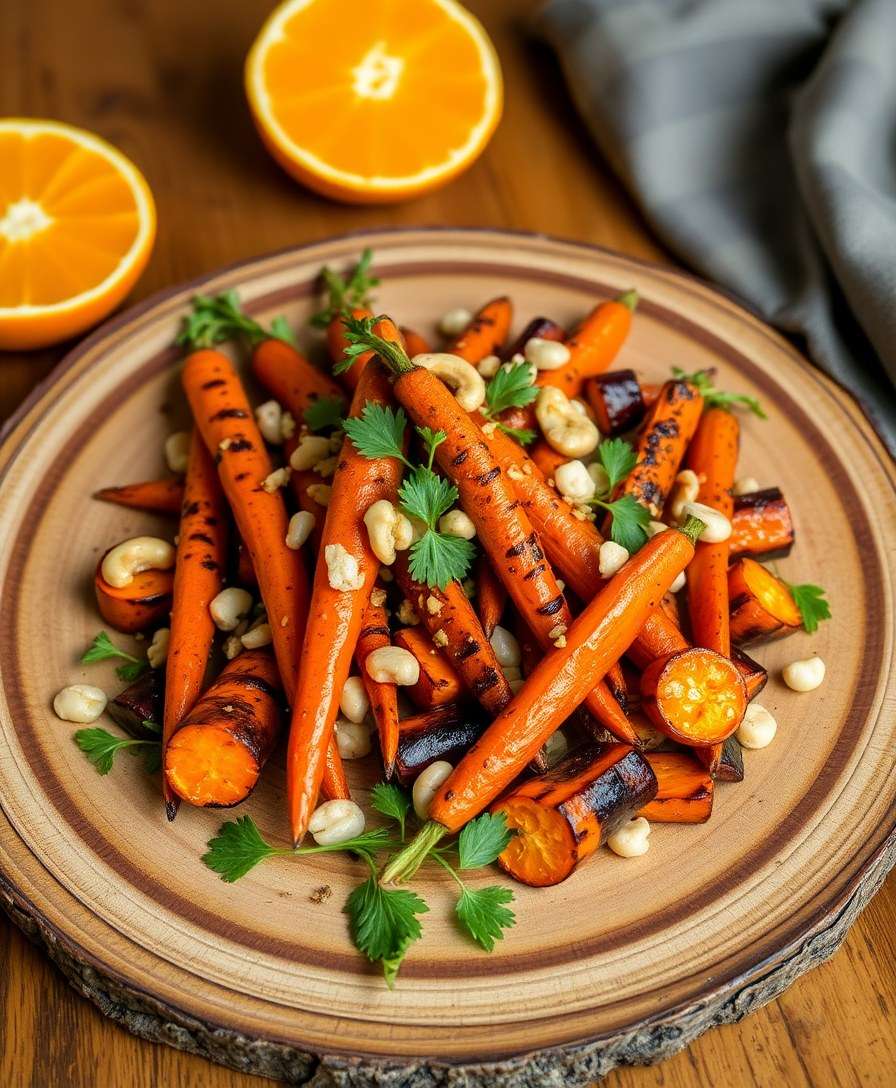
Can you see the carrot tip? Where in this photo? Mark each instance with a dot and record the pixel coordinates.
(170, 810)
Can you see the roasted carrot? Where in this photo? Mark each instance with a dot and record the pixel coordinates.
(144, 602)
(617, 401)
(563, 816)
(684, 790)
(762, 606)
(454, 626)
(546, 457)
(486, 332)
(444, 732)
(559, 683)
(290, 378)
(155, 496)
(343, 583)
(594, 344)
(697, 696)
(439, 682)
(140, 702)
(383, 698)
(761, 525)
(217, 752)
(414, 343)
(225, 421)
(755, 675)
(491, 596)
(661, 446)
(337, 343)
(245, 572)
(198, 578)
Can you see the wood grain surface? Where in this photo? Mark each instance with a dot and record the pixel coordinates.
(162, 81)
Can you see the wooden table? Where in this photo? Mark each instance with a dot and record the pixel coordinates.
(162, 81)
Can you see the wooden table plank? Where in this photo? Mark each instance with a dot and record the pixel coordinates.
(162, 81)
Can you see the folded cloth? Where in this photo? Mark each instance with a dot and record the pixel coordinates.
(759, 137)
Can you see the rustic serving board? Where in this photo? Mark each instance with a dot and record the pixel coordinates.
(625, 962)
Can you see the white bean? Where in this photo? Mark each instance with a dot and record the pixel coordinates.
(352, 739)
(546, 354)
(177, 451)
(612, 557)
(301, 526)
(758, 728)
(393, 665)
(336, 821)
(632, 839)
(453, 322)
(574, 482)
(229, 608)
(506, 647)
(427, 784)
(80, 703)
(354, 702)
(804, 675)
(157, 650)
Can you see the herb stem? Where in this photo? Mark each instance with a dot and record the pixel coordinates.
(406, 863)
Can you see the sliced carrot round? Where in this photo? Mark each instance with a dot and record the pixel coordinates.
(209, 765)
(762, 606)
(695, 696)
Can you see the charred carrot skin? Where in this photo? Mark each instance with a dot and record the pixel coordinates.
(486, 332)
(144, 602)
(617, 401)
(336, 613)
(560, 682)
(217, 752)
(198, 578)
(755, 675)
(140, 702)
(373, 635)
(290, 378)
(731, 764)
(439, 683)
(684, 790)
(491, 596)
(224, 419)
(154, 496)
(542, 328)
(563, 816)
(761, 525)
(662, 444)
(453, 624)
(593, 345)
(709, 717)
(444, 732)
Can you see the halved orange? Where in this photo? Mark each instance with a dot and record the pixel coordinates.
(371, 101)
(77, 224)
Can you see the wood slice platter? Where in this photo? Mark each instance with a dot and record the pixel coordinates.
(626, 961)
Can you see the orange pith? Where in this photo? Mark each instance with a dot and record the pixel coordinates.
(373, 100)
(77, 223)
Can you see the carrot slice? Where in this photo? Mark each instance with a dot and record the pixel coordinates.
(617, 401)
(443, 732)
(155, 496)
(697, 696)
(762, 606)
(144, 602)
(684, 790)
(761, 525)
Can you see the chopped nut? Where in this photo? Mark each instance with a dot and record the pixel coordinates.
(560, 642)
(406, 613)
(275, 480)
(557, 630)
(327, 466)
(320, 493)
(433, 605)
(378, 598)
(287, 426)
(440, 638)
(514, 473)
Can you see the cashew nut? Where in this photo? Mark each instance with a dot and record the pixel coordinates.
(343, 570)
(229, 607)
(631, 840)
(566, 429)
(612, 557)
(157, 650)
(269, 417)
(257, 636)
(745, 485)
(454, 321)
(311, 448)
(654, 528)
(488, 365)
(679, 583)
(319, 493)
(275, 480)
(716, 527)
(353, 702)
(301, 526)
(177, 451)
(685, 489)
(407, 614)
(804, 675)
(758, 728)
(426, 784)
(336, 821)
(393, 665)
(574, 482)
(457, 523)
(80, 703)
(545, 354)
(388, 530)
(457, 374)
(130, 557)
(506, 647)
(352, 739)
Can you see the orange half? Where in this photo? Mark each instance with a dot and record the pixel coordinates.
(77, 224)
(371, 101)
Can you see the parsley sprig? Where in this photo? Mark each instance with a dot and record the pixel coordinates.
(628, 518)
(392, 802)
(344, 294)
(813, 605)
(362, 337)
(718, 398)
(101, 747)
(435, 559)
(511, 386)
(215, 318)
(104, 649)
(324, 414)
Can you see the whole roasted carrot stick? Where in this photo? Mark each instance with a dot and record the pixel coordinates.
(486, 332)
(343, 582)
(383, 697)
(224, 419)
(156, 496)
(491, 596)
(597, 639)
(290, 378)
(198, 578)
(594, 344)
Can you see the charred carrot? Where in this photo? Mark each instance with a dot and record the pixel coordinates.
(697, 696)
(761, 525)
(762, 606)
(594, 344)
(343, 583)
(144, 602)
(439, 683)
(155, 496)
(486, 332)
(224, 419)
(755, 675)
(684, 790)
(617, 401)
(198, 578)
(491, 596)
(559, 683)
(454, 626)
(541, 328)
(299, 483)
(290, 378)
(217, 752)
(383, 697)
(563, 816)
(140, 702)
(662, 443)
(444, 732)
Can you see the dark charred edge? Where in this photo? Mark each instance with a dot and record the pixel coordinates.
(204, 537)
(486, 478)
(367, 632)
(237, 445)
(256, 682)
(731, 763)
(150, 602)
(552, 607)
(469, 648)
(538, 326)
(229, 413)
(460, 458)
(214, 383)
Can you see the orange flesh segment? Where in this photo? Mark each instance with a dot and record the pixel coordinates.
(207, 765)
(543, 851)
(701, 695)
(772, 593)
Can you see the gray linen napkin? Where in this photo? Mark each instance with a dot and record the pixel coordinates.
(759, 137)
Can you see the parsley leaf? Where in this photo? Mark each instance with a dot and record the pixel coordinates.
(151, 726)
(522, 434)
(618, 458)
(813, 606)
(426, 496)
(483, 913)
(361, 337)
(218, 318)
(346, 294)
(100, 746)
(324, 413)
(630, 519)
(510, 387)
(482, 840)
(384, 923)
(431, 440)
(391, 801)
(282, 330)
(131, 671)
(237, 848)
(718, 398)
(104, 649)
(437, 559)
(379, 432)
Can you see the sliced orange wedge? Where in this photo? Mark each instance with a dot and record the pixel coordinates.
(371, 101)
(77, 224)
